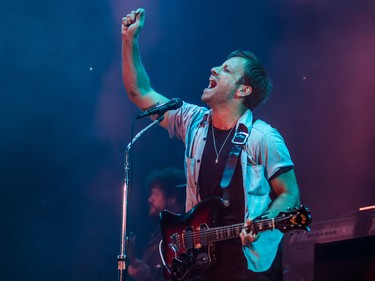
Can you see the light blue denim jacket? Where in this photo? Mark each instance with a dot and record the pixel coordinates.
(263, 155)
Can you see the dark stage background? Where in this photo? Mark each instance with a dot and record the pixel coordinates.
(65, 119)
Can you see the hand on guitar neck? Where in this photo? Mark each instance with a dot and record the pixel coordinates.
(247, 237)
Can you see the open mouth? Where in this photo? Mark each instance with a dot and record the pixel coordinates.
(212, 84)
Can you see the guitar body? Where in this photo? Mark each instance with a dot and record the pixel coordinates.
(183, 250)
(188, 240)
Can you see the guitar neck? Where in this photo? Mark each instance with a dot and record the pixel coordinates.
(233, 231)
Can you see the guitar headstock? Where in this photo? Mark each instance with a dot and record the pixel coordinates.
(299, 219)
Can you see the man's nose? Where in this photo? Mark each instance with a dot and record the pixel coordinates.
(215, 70)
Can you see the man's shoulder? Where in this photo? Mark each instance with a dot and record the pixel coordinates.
(186, 118)
(263, 132)
(193, 113)
(261, 127)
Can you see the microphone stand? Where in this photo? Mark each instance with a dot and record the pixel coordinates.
(121, 258)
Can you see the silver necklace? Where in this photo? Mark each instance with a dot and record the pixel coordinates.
(222, 146)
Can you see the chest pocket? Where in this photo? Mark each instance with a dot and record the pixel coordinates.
(258, 182)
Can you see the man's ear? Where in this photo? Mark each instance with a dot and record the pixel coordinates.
(245, 91)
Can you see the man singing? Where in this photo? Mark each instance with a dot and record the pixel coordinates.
(263, 180)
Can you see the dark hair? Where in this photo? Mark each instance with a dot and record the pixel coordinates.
(170, 181)
(256, 77)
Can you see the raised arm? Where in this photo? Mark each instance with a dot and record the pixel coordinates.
(136, 81)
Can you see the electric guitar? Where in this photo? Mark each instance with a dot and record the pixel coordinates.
(188, 239)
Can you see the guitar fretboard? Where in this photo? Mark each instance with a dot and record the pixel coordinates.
(206, 236)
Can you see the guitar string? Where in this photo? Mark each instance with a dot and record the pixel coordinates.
(213, 230)
(233, 227)
(202, 236)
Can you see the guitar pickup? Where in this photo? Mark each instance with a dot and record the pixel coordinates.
(175, 242)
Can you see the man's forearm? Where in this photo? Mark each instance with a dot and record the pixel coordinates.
(283, 202)
(287, 193)
(135, 78)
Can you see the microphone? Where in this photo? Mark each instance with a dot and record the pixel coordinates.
(161, 109)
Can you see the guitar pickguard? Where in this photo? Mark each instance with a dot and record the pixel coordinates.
(183, 249)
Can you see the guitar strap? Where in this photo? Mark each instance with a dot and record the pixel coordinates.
(239, 140)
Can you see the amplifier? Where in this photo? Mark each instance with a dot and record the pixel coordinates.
(298, 249)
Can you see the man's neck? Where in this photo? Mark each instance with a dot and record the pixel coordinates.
(225, 119)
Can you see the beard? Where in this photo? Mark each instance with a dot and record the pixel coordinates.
(153, 212)
(207, 96)
(215, 99)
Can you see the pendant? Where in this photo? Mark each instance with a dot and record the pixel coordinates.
(217, 160)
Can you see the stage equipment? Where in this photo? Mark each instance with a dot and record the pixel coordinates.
(160, 110)
(299, 250)
(122, 257)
